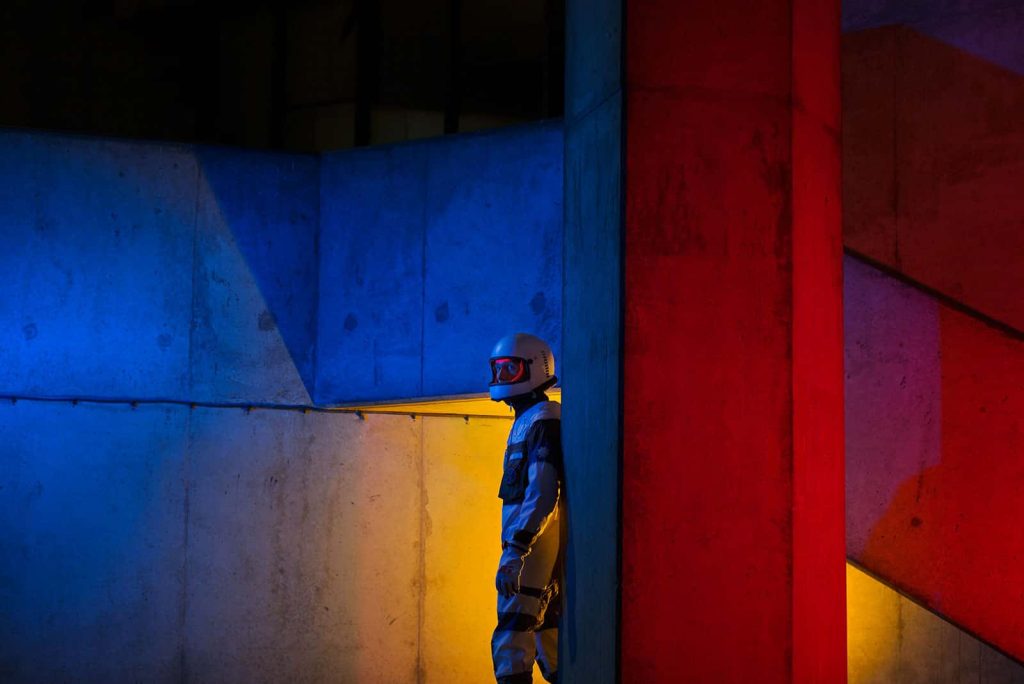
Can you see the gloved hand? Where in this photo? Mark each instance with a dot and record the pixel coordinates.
(509, 569)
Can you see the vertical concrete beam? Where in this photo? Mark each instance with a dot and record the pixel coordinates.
(592, 338)
(721, 240)
(732, 459)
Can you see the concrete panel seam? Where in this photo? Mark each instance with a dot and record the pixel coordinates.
(422, 570)
(896, 87)
(425, 186)
(192, 284)
(183, 609)
(183, 615)
(316, 263)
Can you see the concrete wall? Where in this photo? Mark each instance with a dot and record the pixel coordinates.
(992, 30)
(141, 270)
(430, 252)
(895, 641)
(213, 544)
(166, 542)
(933, 149)
(935, 428)
(732, 466)
(932, 140)
(592, 325)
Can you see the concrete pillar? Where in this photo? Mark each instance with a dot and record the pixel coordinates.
(703, 296)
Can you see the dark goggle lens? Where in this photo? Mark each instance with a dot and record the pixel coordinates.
(506, 370)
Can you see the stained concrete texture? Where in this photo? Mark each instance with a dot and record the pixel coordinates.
(933, 142)
(934, 431)
(593, 298)
(136, 272)
(462, 533)
(144, 274)
(493, 251)
(166, 544)
(424, 267)
(893, 393)
(893, 640)
(303, 548)
(371, 291)
(732, 345)
(255, 282)
(593, 55)
(92, 540)
(96, 251)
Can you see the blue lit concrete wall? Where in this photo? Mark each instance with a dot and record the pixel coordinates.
(592, 422)
(156, 271)
(144, 270)
(92, 538)
(169, 543)
(432, 251)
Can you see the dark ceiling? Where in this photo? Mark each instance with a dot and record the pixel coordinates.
(305, 75)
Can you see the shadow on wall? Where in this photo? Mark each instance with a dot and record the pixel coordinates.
(258, 220)
(145, 270)
(142, 270)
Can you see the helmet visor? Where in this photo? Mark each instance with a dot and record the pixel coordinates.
(506, 370)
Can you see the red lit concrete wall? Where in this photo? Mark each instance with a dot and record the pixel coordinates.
(933, 166)
(732, 551)
(933, 143)
(935, 433)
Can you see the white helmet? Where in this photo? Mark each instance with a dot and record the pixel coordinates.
(521, 364)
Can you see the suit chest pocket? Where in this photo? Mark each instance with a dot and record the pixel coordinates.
(513, 483)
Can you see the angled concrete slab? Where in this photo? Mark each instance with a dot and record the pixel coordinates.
(255, 298)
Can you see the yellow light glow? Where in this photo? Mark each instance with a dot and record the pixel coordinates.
(872, 621)
(460, 528)
(463, 405)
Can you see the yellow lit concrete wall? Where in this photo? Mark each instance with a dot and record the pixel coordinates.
(462, 466)
(343, 549)
(892, 640)
(303, 547)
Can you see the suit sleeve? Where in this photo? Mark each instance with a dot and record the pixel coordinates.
(544, 467)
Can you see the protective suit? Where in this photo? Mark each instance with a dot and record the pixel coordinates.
(529, 601)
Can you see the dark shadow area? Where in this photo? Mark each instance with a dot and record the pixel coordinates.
(296, 75)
